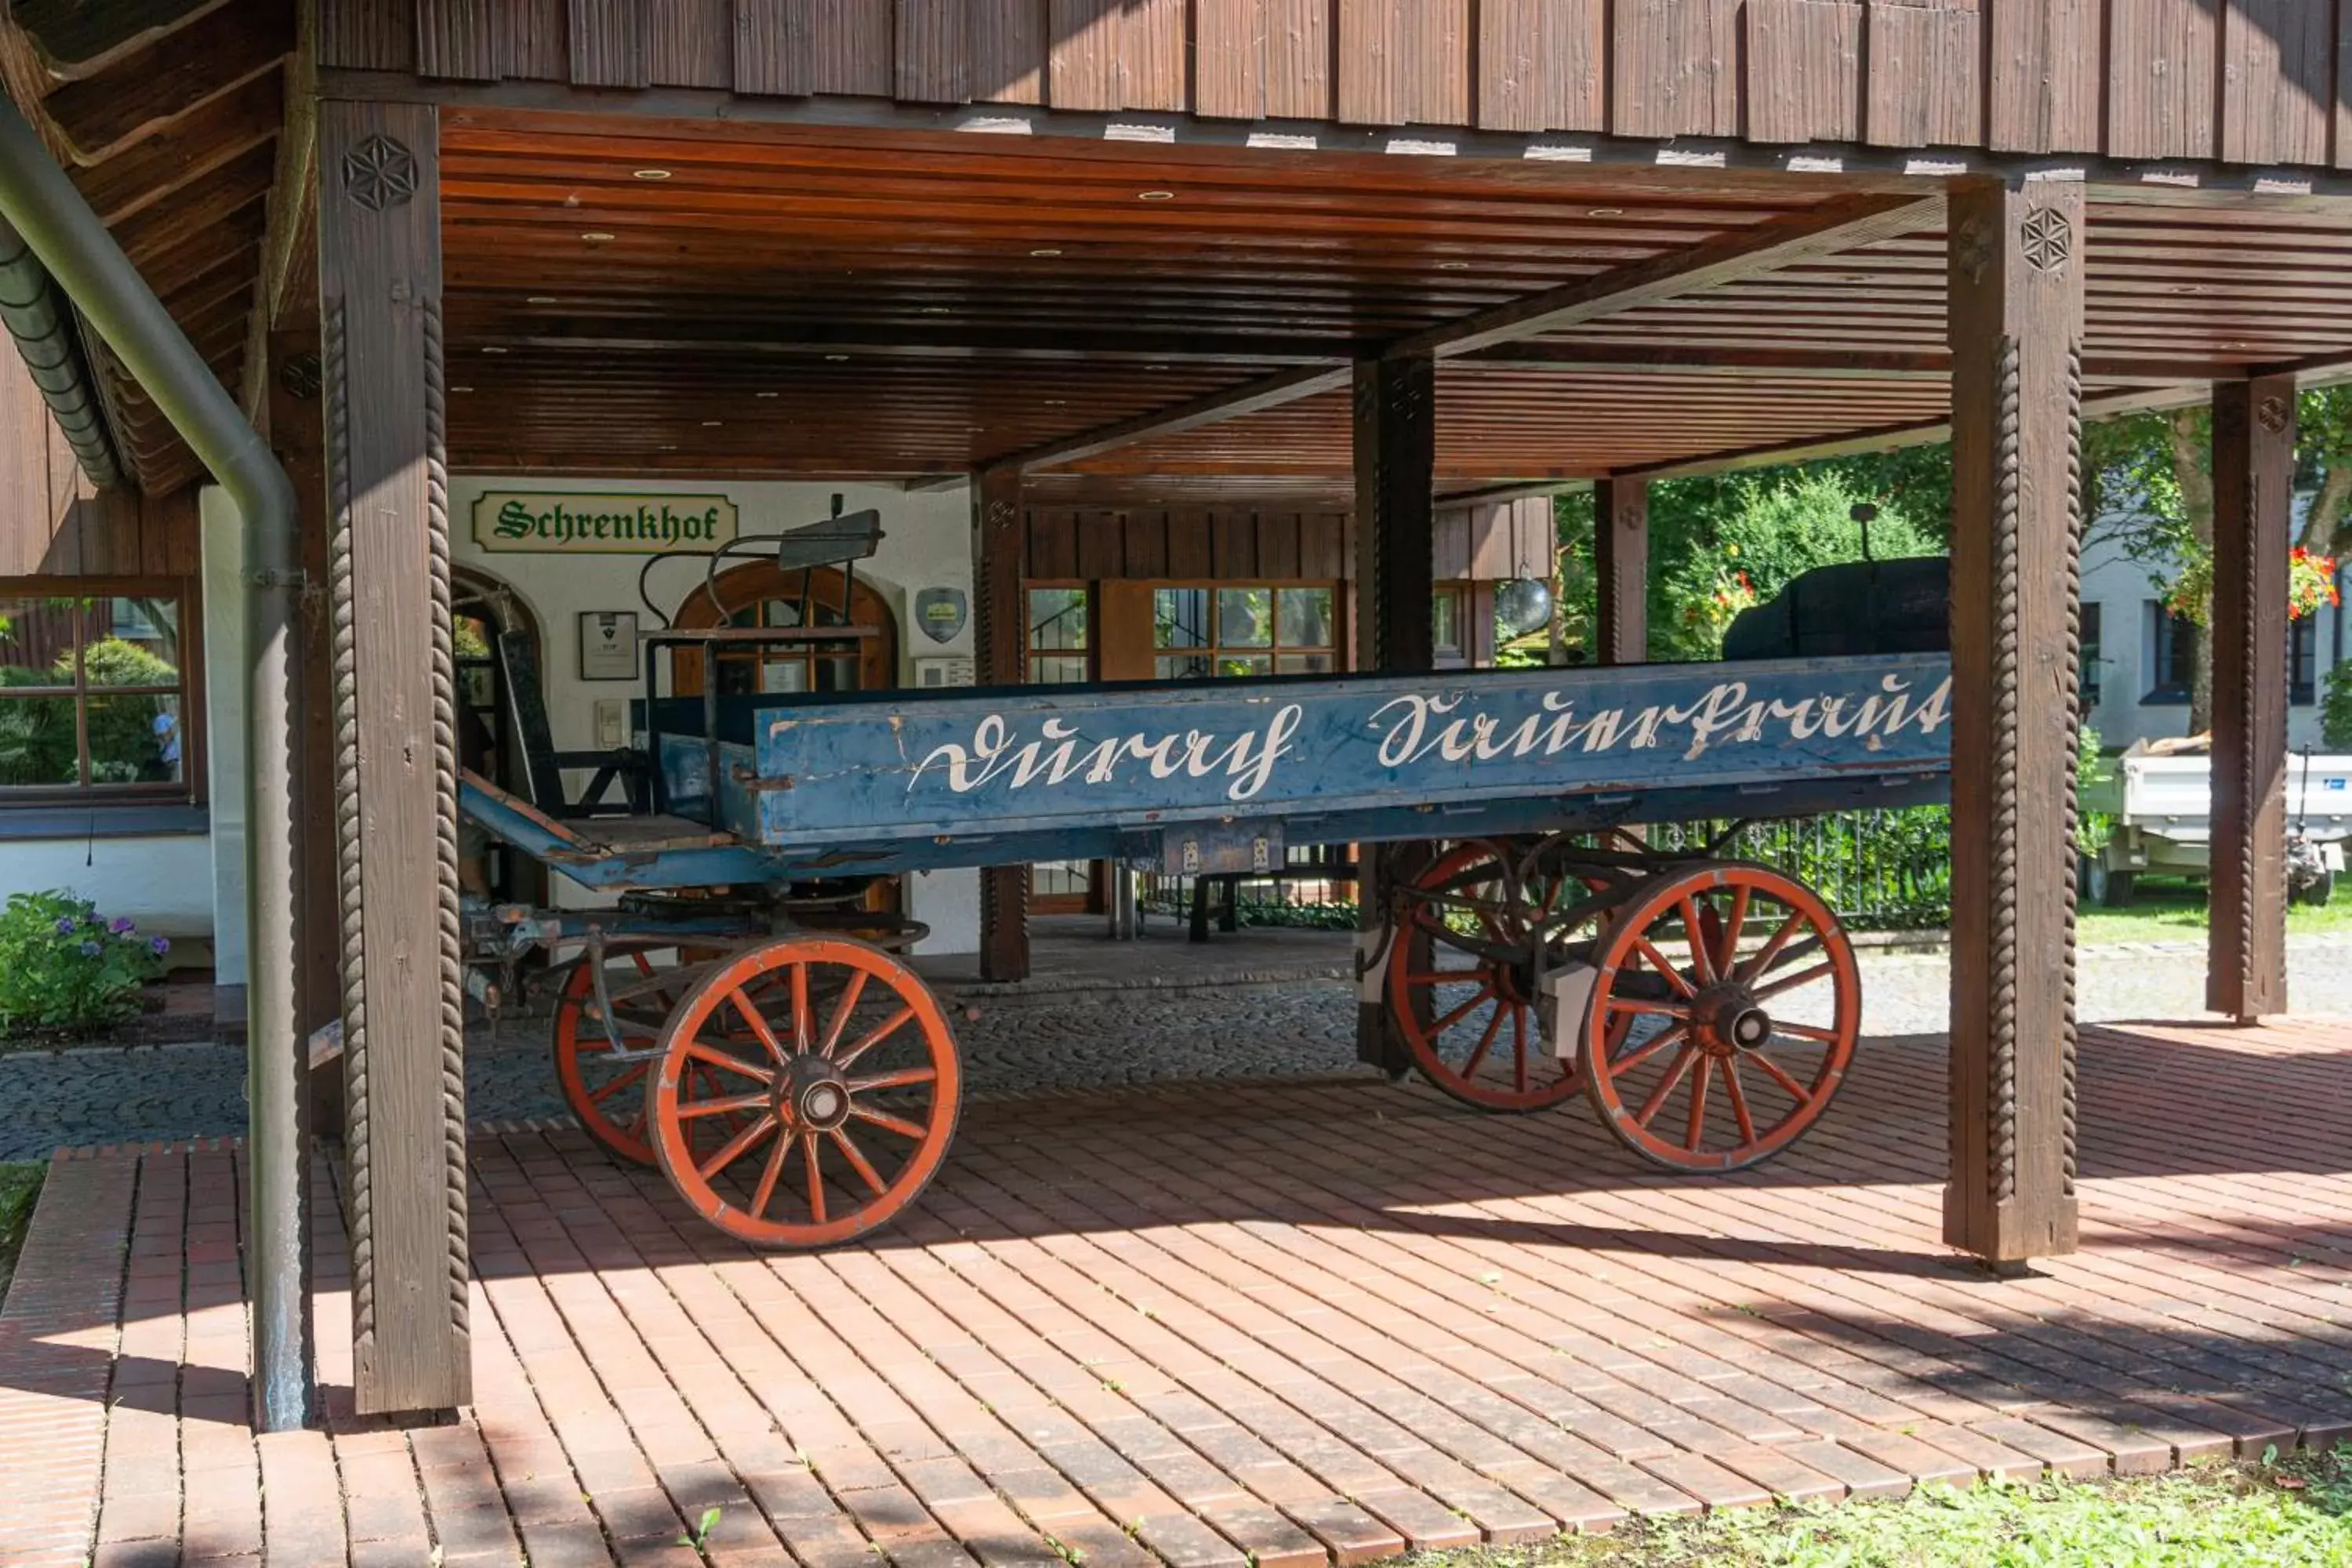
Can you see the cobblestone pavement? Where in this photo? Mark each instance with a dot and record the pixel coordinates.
(1020, 1046)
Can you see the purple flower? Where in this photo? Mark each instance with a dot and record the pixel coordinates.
(65, 926)
(89, 949)
(119, 925)
(159, 946)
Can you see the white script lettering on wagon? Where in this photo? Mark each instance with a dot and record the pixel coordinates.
(1061, 754)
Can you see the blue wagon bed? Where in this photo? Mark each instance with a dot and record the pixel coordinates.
(736, 1022)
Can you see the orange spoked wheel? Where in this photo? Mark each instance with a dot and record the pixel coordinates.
(604, 1087)
(808, 1090)
(1730, 1001)
(1462, 983)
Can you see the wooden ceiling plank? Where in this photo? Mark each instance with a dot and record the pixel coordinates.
(150, 89)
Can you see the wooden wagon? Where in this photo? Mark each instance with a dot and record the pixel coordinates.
(742, 1021)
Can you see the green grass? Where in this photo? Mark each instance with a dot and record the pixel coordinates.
(2296, 1513)
(2167, 909)
(20, 1183)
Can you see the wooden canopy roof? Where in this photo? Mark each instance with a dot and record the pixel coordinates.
(761, 256)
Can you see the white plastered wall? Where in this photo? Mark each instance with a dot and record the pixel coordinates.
(926, 544)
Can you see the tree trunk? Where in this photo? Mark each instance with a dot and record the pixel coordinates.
(2328, 509)
(2190, 450)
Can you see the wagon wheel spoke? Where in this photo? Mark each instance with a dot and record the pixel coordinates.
(880, 1033)
(1737, 1095)
(802, 1033)
(1486, 992)
(815, 1177)
(1736, 921)
(1650, 1047)
(1673, 976)
(858, 1160)
(1764, 956)
(725, 1063)
(745, 1009)
(1642, 1004)
(1779, 1075)
(721, 1105)
(1790, 983)
(1674, 1073)
(1485, 1043)
(841, 1011)
(1806, 1031)
(733, 1149)
(883, 1118)
(619, 1081)
(1694, 1132)
(1702, 948)
(766, 1191)
(904, 1078)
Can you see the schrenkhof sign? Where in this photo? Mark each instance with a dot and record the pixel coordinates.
(588, 523)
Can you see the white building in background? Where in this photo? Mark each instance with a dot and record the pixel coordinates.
(2139, 662)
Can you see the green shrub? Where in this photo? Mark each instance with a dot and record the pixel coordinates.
(64, 967)
(2335, 710)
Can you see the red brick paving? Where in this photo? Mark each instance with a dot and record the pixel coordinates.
(1305, 1323)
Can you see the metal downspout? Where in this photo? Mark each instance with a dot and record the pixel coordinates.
(86, 263)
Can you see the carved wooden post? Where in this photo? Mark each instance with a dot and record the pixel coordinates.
(395, 751)
(1000, 639)
(1621, 560)
(2016, 326)
(1396, 520)
(2253, 498)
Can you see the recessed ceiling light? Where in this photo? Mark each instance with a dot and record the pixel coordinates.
(492, 349)
(764, 394)
(669, 446)
(1454, 266)
(1608, 212)
(1048, 250)
(936, 310)
(1055, 402)
(1155, 367)
(1155, 196)
(837, 359)
(596, 235)
(650, 173)
(710, 425)
(461, 389)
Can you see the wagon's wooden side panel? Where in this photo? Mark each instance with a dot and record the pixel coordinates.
(2254, 81)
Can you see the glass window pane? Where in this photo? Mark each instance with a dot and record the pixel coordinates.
(1244, 617)
(135, 740)
(1182, 667)
(37, 742)
(781, 612)
(133, 642)
(1303, 664)
(1058, 617)
(1444, 620)
(1179, 618)
(739, 675)
(1305, 617)
(837, 673)
(1244, 664)
(784, 675)
(1056, 668)
(36, 641)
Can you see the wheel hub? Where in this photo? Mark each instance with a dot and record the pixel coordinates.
(1729, 1018)
(811, 1092)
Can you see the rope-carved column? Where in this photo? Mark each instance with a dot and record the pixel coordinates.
(395, 753)
(2016, 322)
(2253, 482)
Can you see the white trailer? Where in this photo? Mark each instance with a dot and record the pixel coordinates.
(2161, 796)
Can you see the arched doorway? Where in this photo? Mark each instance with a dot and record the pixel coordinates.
(482, 609)
(760, 594)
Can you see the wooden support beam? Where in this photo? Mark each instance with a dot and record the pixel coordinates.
(1001, 658)
(395, 751)
(2253, 508)
(1396, 528)
(1621, 555)
(2017, 264)
(1824, 230)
